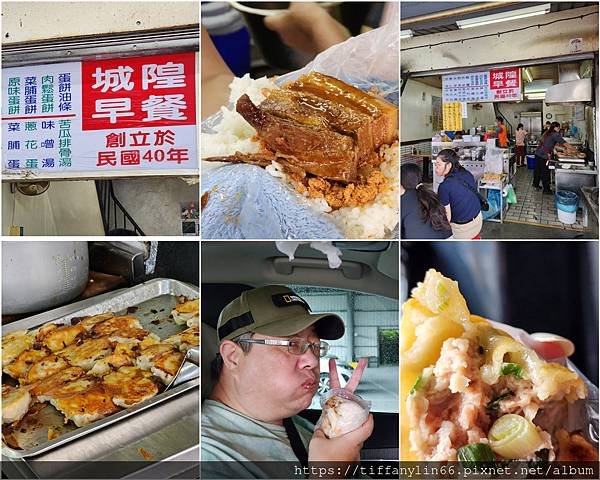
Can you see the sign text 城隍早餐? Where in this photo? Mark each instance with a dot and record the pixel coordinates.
(122, 115)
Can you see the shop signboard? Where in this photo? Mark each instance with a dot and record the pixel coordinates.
(466, 87)
(121, 117)
(505, 84)
(498, 85)
(452, 116)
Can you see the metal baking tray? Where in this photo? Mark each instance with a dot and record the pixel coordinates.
(151, 302)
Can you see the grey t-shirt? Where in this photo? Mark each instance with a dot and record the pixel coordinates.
(547, 144)
(229, 436)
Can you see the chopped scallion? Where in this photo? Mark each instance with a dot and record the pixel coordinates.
(417, 385)
(494, 405)
(512, 369)
(475, 452)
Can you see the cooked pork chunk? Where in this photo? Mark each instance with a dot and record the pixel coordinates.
(317, 150)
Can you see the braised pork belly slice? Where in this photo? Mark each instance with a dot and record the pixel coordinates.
(384, 115)
(311, 110)
(317, 150)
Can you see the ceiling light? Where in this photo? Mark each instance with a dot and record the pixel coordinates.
(504, 16)
(405, 34)
(535, 96)
(527, 74)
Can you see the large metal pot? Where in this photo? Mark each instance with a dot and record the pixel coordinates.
(41, 275)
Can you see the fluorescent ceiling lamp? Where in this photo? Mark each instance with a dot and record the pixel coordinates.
(504, 16)
(406, 34)
(527, 73)
(535, 96)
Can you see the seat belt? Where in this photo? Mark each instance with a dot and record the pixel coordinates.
(295, 441)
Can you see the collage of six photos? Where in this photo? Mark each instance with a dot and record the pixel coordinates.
(300, 239)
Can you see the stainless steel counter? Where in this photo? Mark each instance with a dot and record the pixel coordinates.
(591, 202)
(574, 178)
(168, 431)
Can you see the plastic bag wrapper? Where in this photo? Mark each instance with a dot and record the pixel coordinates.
(509, 194)
(582, 415)
(261, 205)
(342, 413)
(327, 248)
(494, 163)
(495, 201)
(246, 202)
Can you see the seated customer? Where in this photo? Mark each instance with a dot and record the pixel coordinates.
(267, 371)
(423, 216)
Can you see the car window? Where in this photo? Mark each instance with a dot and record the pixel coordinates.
(371, 331)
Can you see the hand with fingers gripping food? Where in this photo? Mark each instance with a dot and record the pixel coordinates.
(345, 448)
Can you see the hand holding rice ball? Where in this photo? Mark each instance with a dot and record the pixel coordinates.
(343, 411)
(345, 422)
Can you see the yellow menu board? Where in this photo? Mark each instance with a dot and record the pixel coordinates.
(452, 116)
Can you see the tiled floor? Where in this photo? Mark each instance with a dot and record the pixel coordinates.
(535, 208)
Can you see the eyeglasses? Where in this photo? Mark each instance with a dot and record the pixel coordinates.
(295, 345)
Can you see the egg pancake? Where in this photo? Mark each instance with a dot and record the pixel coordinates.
(19, 368)
(88, 353)
(56, 383)
(62, 337)
(15, 404)
(162, 359)
(15, 343)
(46, 367)
(187, 339)
(115, 324)
(87, 405)
(187, 313)
(123, 355)
(129, 385)
(89, 322)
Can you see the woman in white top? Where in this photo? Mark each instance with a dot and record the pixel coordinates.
(520, 135)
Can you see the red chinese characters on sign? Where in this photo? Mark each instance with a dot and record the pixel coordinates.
(139, 92)
(505, 84)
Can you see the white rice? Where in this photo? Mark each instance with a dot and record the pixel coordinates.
(233, 134)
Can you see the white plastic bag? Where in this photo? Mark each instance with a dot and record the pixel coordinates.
(342, 413)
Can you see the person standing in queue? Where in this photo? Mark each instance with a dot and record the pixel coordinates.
(458, 194)
(520, 135)
(501, 134)
(423, 216)
(543, 154)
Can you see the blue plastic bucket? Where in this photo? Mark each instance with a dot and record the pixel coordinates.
(530, 162)
(566, 201)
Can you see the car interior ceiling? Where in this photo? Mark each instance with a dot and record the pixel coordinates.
(261, 263)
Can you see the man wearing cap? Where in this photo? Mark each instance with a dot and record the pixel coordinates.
(267, 372)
